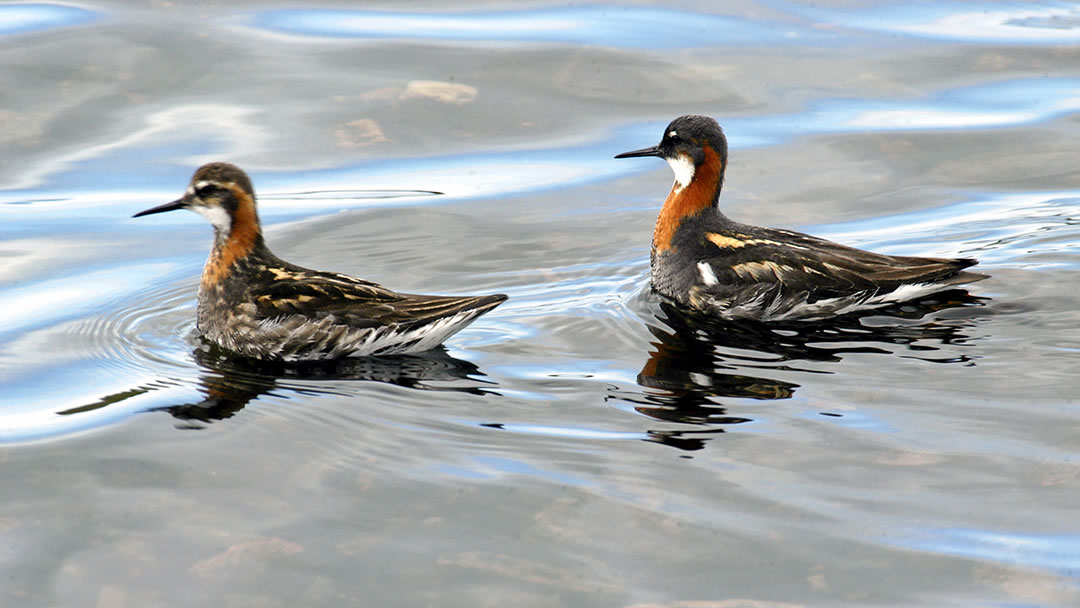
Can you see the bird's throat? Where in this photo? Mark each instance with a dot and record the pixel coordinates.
(241, 239)
(688, 200)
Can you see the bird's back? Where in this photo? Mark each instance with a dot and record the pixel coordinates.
(739, 270)
(270, 309)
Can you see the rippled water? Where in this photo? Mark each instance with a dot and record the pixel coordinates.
(584, 444)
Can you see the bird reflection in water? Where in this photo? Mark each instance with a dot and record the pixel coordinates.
(229, 384)
(698, 359)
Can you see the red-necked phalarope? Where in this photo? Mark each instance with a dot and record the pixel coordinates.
(253, 303)
(704, 260)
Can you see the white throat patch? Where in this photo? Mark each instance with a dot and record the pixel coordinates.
(216, 216)
(683, 166)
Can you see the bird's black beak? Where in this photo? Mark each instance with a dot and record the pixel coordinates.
(179, 203)
(653, 151)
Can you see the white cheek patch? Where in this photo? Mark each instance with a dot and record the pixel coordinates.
(683, 166)
(216, 216)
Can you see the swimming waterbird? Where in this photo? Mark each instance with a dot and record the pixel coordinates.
(703, 260)
(254, 303)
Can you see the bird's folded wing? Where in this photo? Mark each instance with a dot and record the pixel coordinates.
(801, 263)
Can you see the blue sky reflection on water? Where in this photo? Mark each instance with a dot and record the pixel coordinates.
(622, 26)
(647, 27)
(27, 425)
(1008, 103)
(458, 177)
(37, 17)
(54, 300)
(1056, 552)
(488, 467)
(587, 159)
(956, 22)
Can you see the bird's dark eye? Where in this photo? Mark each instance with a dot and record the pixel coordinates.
(206, 189)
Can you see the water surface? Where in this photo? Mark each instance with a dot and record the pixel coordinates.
(584, 444)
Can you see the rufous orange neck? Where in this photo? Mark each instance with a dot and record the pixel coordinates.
(700, 194)
(241, 241)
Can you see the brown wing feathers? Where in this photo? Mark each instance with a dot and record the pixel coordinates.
(801, 261)
(356, 302)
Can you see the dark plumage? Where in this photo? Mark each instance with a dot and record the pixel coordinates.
(258, 305)
(702, 259)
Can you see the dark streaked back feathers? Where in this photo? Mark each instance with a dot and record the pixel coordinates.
(766, 264)
(287, 289)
